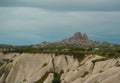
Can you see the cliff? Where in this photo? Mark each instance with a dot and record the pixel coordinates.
(46, 68)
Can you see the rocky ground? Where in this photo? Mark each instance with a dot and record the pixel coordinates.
(48, 68)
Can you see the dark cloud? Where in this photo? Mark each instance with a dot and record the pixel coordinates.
(66, 5)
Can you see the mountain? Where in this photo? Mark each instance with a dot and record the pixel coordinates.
(79, 39)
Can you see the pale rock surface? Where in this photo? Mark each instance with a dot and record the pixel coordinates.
(29, 68)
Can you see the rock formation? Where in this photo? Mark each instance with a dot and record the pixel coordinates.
(42, 68)
(79, 39)
(79, 36)
(85, 36)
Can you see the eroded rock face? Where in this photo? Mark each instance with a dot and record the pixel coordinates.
(46, 68)
(77, 35)
(85, 36)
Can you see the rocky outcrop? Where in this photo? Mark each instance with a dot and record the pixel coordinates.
(79, 36)
(85, 36)
(46, 68)
(79, 39)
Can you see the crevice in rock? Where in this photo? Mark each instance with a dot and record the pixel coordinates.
(66, 60)
(53, 63)
(85, 73)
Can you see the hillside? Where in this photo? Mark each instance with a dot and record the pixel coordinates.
(81, 40)
(78, 44)
(48, 68)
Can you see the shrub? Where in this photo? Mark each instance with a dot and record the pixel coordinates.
(43, 78)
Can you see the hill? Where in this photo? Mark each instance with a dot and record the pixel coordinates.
(78, 44)
(79, 39)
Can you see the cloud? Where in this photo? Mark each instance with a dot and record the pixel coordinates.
(29, 25)
(66, 5)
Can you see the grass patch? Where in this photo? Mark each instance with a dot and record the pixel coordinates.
(43, 78)
(57, 77)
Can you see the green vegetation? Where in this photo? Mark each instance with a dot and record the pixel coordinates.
(43, 78)
(57, 77)
(6, 60)
(2, 61)
(77, 51)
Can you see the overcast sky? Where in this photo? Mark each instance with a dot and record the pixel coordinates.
(24, 22)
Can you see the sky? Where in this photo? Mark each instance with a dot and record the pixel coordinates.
(25, 22)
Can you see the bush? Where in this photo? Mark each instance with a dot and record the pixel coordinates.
(43, 78)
